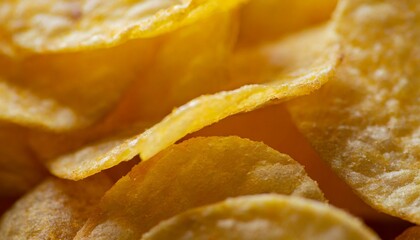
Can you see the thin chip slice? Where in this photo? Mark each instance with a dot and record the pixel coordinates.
(61, 92)
(55, 209)
(295, 66)
(265, 20)
(92, 83)
(263, 217)
(366, 122)
(273, 126)
(59, 25)
(194, 173)
(178, 73)
(20, 171)
(412, 233)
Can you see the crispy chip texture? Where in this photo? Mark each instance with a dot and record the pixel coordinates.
(60, 25)
(273, 126)
(263, 217)
(366, 122)
(19, 169)
(194, 173)
(265, 20)
(55, 209)
(412, 233)
(289, 75)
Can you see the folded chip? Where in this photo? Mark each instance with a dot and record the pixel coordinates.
(283, 70)
(20, 171)
(263, 217)
(55, 209)
(366, 122)
(194, 173)
(413, 233)
(59, 25)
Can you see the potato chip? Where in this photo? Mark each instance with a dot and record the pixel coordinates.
(263, 217)
(365, 123)
(273, 126)
(55, 209)
(194, 173)
(412, 233)
(67, 91)
(196, 68)
(59, 25)
(180, 71)
(138, 68)
(288, 75)
(19, 169)
(265, 20)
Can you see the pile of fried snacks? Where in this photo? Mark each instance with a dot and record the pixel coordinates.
(209, 119)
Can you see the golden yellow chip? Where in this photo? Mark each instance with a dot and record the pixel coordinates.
(67, 91)
(196, 68)
(274, 126)
(265, 20)
(59, 25)
(19, 169)
(73, 90)
(263, 217)
(194, 173)
(365, 123)
(286, 75)
(412, 233)
(55, 209)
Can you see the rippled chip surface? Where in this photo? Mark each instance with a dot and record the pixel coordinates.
(194, 173)
(292, 67)
(366, 121)
(55, 209)
(59, 25)
(263, 217)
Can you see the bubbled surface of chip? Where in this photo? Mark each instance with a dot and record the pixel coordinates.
(55, 209)
(263, 217)
(194, 173)
(366, 122)
(59, 25)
